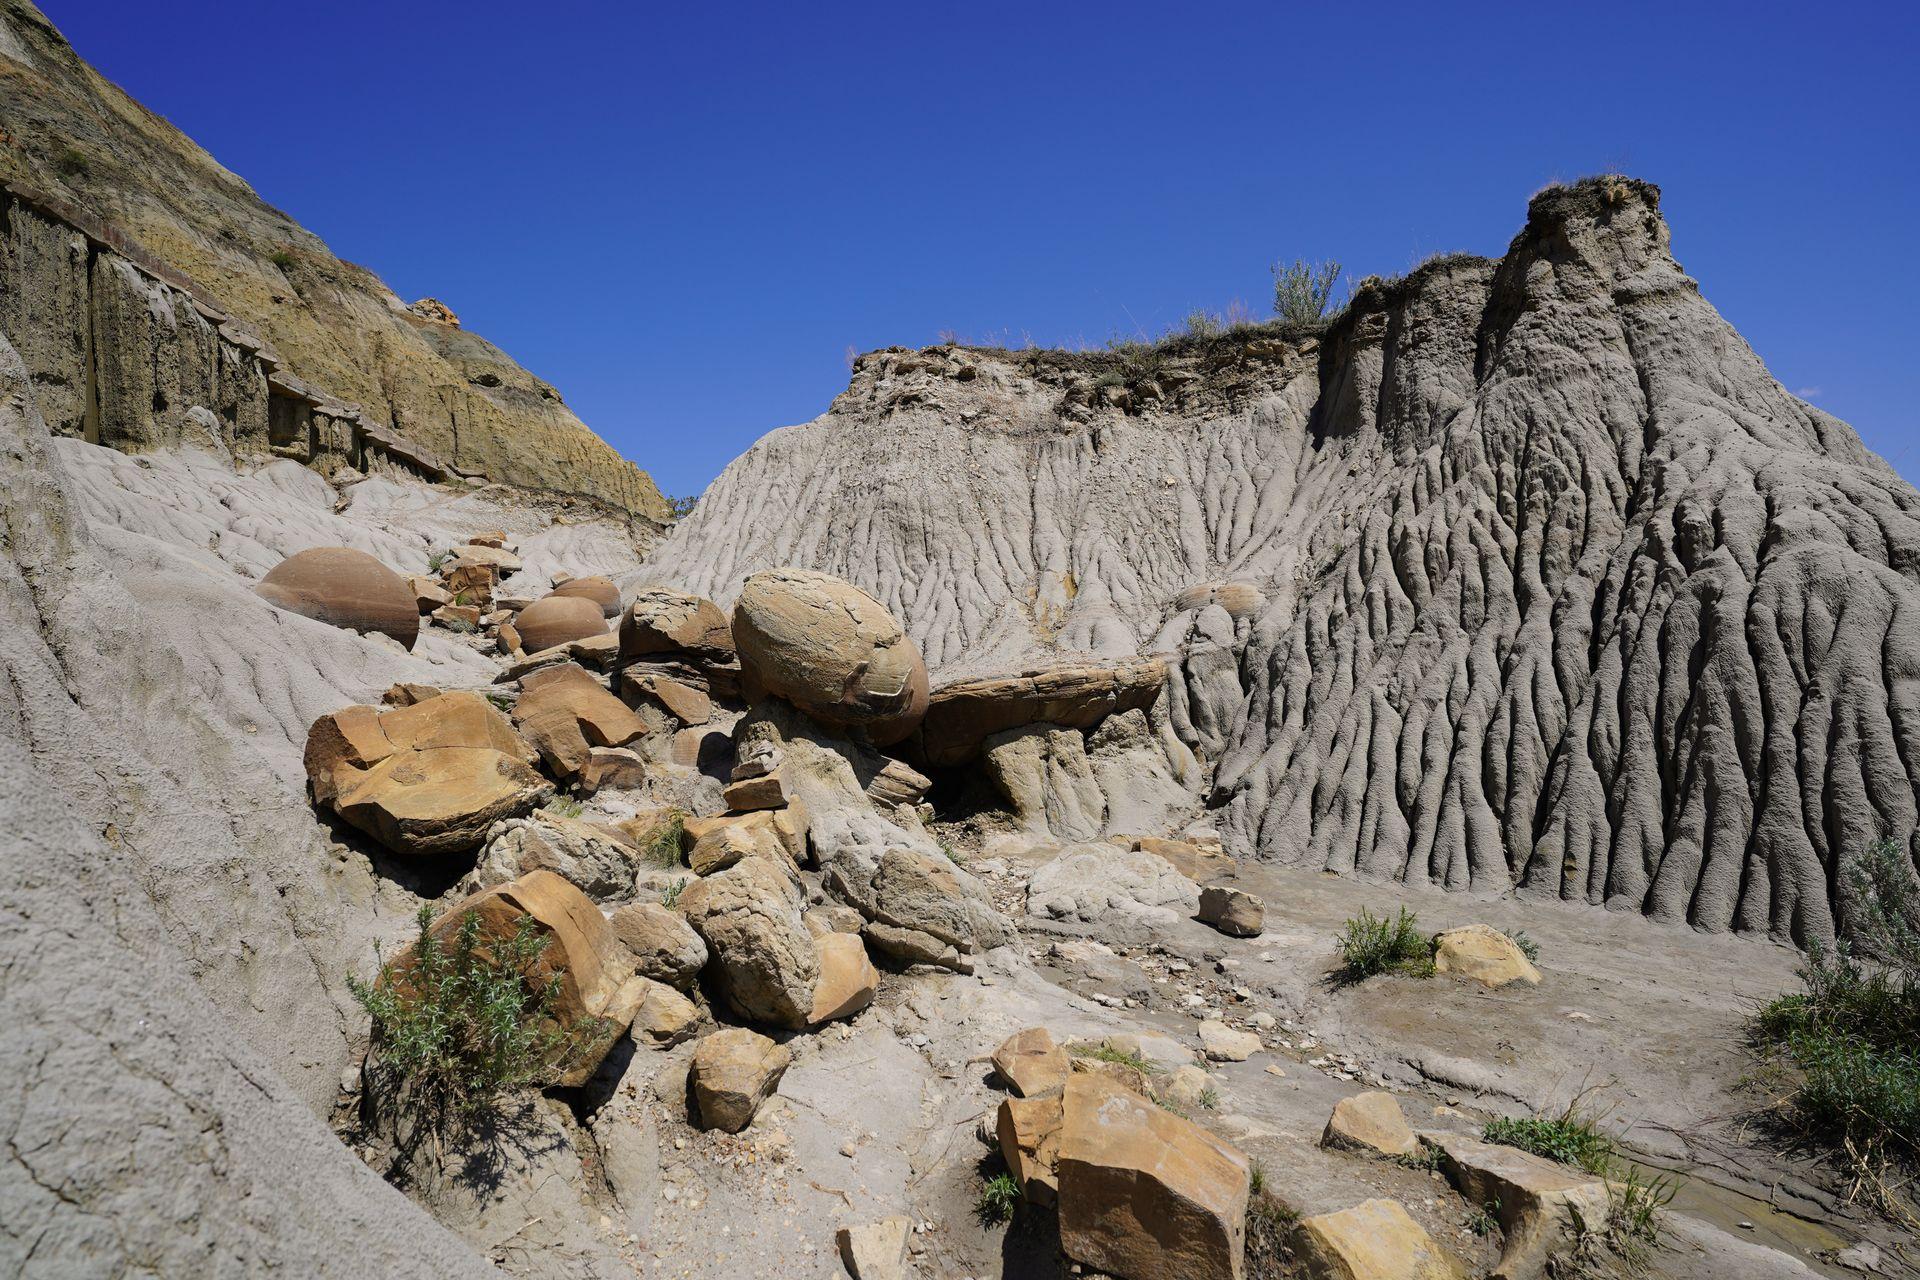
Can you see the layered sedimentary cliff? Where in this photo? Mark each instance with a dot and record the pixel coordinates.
(130, 203)
(1525, 572)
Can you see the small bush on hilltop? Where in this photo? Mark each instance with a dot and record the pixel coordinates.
(1850, 1041)
(1371, 944)
(463, 1022)
(1302, 291)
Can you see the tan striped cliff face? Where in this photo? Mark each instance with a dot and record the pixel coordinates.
(70, 132)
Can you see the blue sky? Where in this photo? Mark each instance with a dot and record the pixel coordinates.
(683, 216)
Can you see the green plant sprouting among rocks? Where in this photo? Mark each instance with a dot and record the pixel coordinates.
(1847, 1047)
(1371, 944)
(1302, 291)
(999, 1197)
(670, 894)
(463, 1021)
(662, 847)
(565, 807)
(1572, 1137)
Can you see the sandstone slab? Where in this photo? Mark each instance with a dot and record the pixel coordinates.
(1031, 1064)
(1371, 1122)
(1484, 954)
(1145, 1194)
(961, 716)
(847, 980)
(1374, 1240)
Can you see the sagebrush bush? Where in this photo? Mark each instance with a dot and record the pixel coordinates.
(1302, 291)
(1371, 944)
(463, 1022)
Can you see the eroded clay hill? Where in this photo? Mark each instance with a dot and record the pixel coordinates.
(73, 140)
(1526, 572)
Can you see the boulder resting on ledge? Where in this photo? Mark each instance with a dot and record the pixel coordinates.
(961, 716)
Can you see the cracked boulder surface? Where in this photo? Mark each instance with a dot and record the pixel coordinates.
(1524, 573)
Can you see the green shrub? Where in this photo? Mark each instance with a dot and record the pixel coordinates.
(1302, 291)
(999, 1197)
(1371, 944)
(1528, 947)
(71, 163)
(437, 559)
(1484, 1220)
(1851, 1037)
(670, 895)
(281, 258)
(462, 1022)
(1257, 1178)
(565, 807)
(681, 508)
(1570, 1138)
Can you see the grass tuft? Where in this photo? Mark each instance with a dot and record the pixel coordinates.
(1104, 1052)
(999, 1197)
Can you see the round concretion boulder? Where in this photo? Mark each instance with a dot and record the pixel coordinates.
(598, 589)
(345, 588)
(558, 619)
(830, 649)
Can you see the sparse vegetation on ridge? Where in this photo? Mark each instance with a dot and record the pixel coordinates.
(1303, 290)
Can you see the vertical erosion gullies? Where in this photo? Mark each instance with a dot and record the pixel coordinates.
(1538, 579)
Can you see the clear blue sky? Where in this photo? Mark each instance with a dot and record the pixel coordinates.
(683, 216)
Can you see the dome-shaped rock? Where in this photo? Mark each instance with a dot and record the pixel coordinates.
(830, 649)
(556, 620)
(598, 588)
(344, 588)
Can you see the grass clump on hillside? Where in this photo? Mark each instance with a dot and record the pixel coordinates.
(1849, 1043)
(1371, 944)
(466, 1020)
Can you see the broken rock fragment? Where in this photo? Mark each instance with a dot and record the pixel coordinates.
(1145, 1194)
(734, 1071)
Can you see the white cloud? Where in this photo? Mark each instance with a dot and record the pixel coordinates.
(1807, 393)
